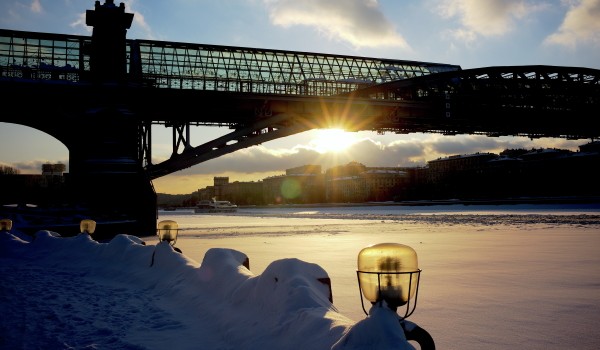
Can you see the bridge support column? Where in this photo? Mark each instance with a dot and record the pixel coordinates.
(106, 176)
(105, 173)
(119, 203)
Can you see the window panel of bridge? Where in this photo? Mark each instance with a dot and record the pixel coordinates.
(253, 70)
(37, 58)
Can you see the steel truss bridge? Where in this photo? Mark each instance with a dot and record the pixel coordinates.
(54, 83)
(266, 94)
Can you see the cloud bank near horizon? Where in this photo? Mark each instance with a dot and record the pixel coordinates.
(273, 158)
(403, 152)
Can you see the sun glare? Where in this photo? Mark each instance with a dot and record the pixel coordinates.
(332, 140)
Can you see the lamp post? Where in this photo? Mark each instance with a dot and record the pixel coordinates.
(167, 231)
(87, 226)
(389, 274)
(5, 225)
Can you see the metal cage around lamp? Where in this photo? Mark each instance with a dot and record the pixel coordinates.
(389, 272)
(167, 231)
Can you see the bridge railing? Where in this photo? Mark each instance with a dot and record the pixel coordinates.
(172, 65)
(43, 56)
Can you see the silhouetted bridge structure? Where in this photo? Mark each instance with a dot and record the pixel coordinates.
(101, 95)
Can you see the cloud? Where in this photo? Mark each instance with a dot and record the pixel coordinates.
(258, 162)
(580, 25)
(139, 21)
(36, 6)
(486, 18)
(358, 22)
(404, 150)
(16, 12)
(261, 159)
(80, 23)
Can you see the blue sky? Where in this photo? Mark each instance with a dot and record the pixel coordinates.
(469, 33)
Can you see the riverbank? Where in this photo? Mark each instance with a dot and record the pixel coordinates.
(503, 201)
(498, 281)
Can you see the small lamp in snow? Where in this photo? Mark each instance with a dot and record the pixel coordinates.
(167, 231)
(87, 226)
(5, 225)
(389, 272)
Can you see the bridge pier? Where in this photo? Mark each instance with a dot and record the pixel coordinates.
(105, 174)
(119, 203)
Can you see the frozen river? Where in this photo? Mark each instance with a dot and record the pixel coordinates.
(517, 276)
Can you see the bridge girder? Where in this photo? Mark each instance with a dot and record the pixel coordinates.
(533, 101)
(257, 119)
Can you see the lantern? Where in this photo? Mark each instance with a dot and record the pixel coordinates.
(5, 224)
(167, 231)
(87, 226)
(389, 272)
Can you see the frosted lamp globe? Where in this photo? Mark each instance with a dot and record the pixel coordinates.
(5, 224)
(167, 231)
(388, 272)
(87, 226)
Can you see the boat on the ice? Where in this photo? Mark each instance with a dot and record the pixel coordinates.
(214, 206)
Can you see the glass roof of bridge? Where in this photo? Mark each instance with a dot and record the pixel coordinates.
(240, 69)
(208, 67)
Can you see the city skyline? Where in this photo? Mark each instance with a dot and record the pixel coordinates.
(502, 165)
(467, 33)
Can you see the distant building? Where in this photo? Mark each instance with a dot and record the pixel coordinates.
(384, 184)
(220, 182)
(304, 170)
(357, 183)
(593, 146)
(350, 169)
(300, 185)
(53, 169)
(442, 168)
(46, 189)
(512, 174)
(346, 189)
(207, 193)
(242, 193)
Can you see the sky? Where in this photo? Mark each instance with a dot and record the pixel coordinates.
(469, 33)
(493, 277)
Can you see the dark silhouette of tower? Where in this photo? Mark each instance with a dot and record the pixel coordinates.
(105, 174)
(108, 54)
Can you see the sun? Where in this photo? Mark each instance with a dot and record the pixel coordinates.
(332, 140)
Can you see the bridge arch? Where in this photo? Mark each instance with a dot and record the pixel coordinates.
(31, 144)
